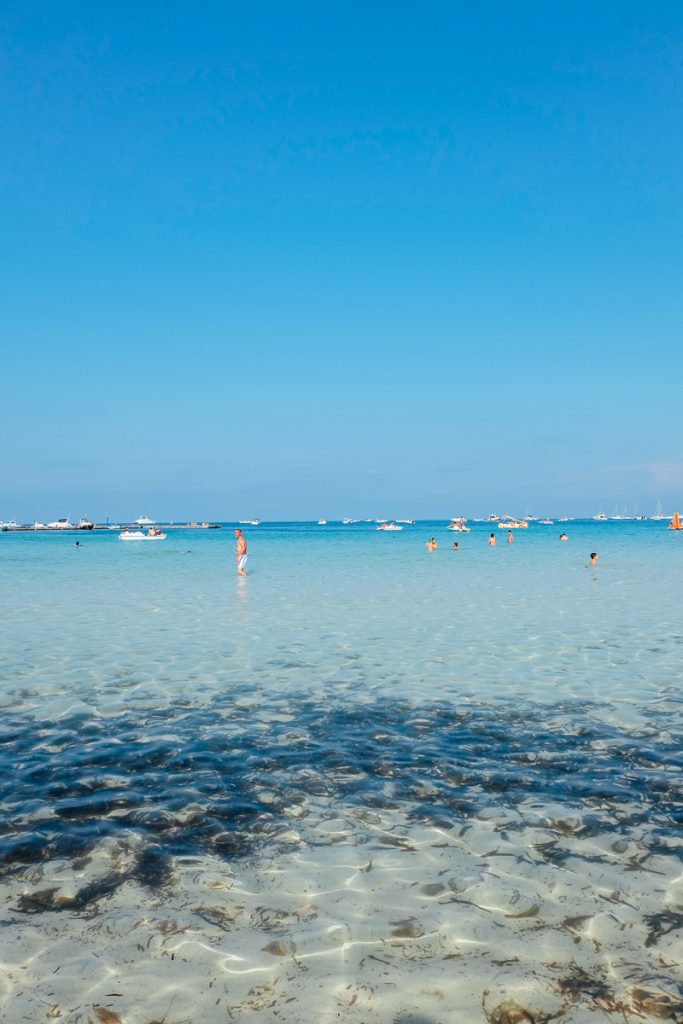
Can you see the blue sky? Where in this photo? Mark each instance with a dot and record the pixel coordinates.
(292, 260)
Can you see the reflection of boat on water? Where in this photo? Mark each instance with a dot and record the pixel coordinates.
(389, 526)
(141, 535)
(676, 523)
(459, 525)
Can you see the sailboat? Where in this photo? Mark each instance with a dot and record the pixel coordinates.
(659, 514)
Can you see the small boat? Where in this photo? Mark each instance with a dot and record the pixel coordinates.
(144, 521)
(408, 522)
(676, 523)
(85, 524)
(389, 526)
(322, 522)
(10, 525)
(141, 535)
(60, 524)
(39, 526)
(513, 524)
(248, 522)
(459, 525)
(546, 522)
(346, 522)
(600, 517)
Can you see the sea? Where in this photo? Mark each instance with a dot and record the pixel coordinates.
(368, 782)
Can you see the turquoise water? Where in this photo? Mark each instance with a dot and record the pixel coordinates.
(343, 610)
(161, 712)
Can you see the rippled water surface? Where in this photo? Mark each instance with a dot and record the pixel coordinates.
(361, 766)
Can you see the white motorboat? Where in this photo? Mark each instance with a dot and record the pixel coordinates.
(249, 522)
(346, 522)
(459, 525)
(389, 526)
(144, 521)
(9, 525)
(546, 522)
(39, 526)
(60, 524)
(322, 522)
(85, 524)
(600, 517)
(141, 535)
(513, 524)
(408, 522)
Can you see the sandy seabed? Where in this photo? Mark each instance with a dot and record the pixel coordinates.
(362, 917)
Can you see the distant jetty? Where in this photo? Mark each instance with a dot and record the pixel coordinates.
(100, 527)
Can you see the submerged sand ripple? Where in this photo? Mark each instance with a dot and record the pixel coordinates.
(380, 863)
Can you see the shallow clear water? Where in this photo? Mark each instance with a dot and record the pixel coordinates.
(354, 693)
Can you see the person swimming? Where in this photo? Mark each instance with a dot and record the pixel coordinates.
(563, 536)
(492, 540)
(456, 546)
(510, 537)
(593, 558)
(431, 544)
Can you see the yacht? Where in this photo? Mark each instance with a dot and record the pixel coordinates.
(600, 517)
(39, 526)
(60, 524)
(249, 522)
(9, 525)
(144, 521)
(85, 524)
(659, 514)
(408, 522)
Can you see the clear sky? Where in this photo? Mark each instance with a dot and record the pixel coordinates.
(293, 260)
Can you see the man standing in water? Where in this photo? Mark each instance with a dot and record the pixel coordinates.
(240, 553)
